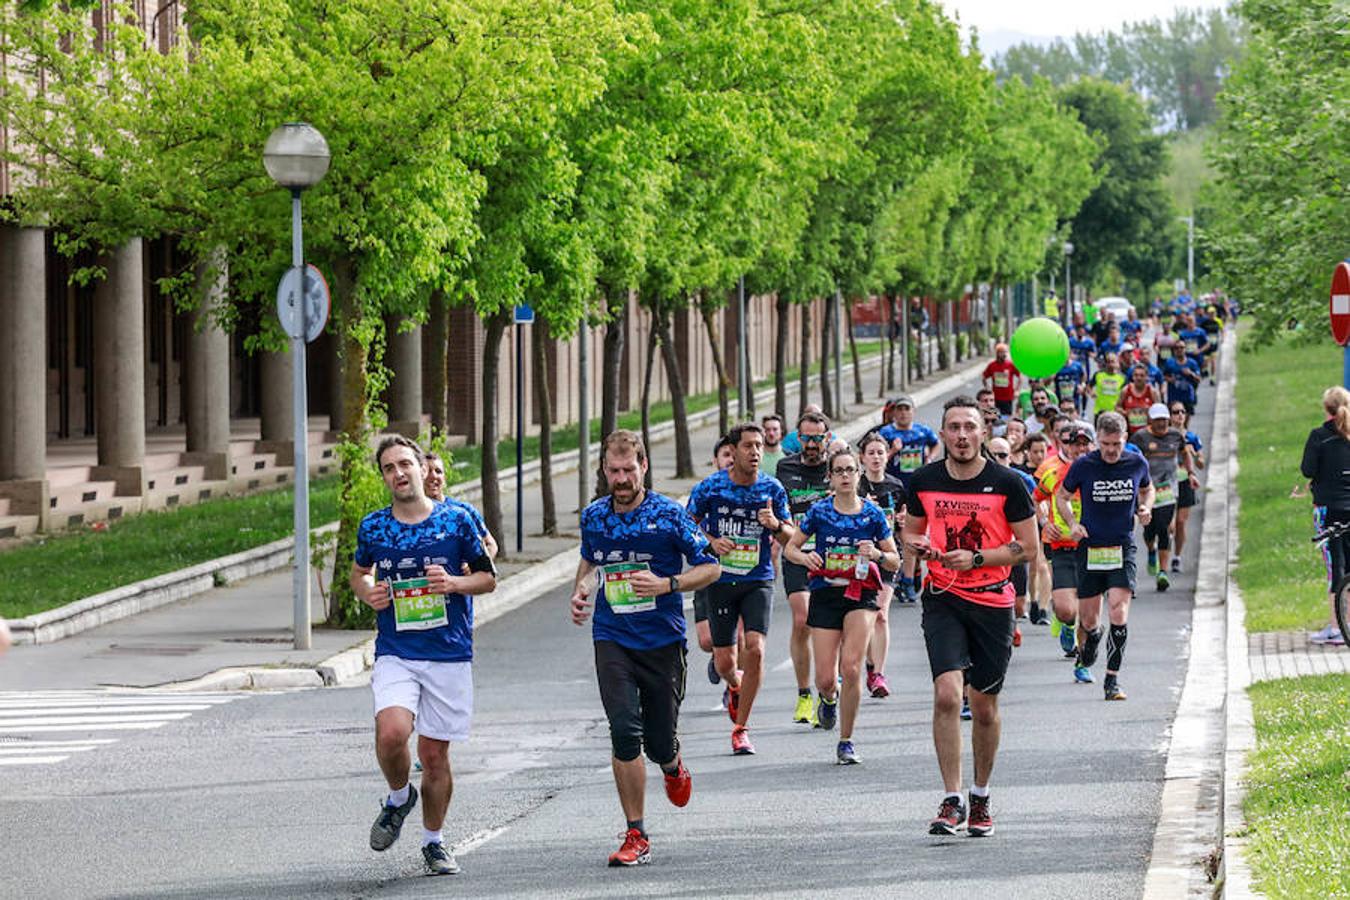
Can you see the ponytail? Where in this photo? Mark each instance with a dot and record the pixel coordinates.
(1336, 402)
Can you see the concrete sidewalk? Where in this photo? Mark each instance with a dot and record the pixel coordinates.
(248, 624)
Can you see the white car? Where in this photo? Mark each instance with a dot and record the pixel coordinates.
(1119, 307)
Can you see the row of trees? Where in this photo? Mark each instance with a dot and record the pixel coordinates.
(1280, 213)
(561, 153)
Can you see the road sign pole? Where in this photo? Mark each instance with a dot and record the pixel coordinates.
(583, 413)
(301, 416)
(520, 437)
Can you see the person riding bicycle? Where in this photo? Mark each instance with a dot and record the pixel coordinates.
(1326, 465)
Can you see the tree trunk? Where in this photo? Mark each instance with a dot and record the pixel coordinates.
(804, 363)
(493, 331)
(438, 322)
(853, 353)
(826, 344)
(719, 365)
(543, 405)
(347, 611)
(611, 363)
(780, 360)
(649, 363)
(684, 457)
(944, 360)
(888, 381)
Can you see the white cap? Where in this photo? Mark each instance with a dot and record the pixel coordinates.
(1158, 411)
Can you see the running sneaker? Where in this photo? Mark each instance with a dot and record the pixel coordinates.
(1112, 688)
(679, 786)
(636, 850)
(740, 742)
(1153, 562)
(1176, 564)
(1017, 635)
(877, 686)
(966, 714)
(905, 593)
(1067, 640)
(981, 820)
(1038, 616)
(390, 822)
(733, 703)
(726, 698)
(1082, 674)
(713, 677)
(1088, 654)
(1331, 635)
(845, 755)
(951, 817)
(804, 714)
(438, 860)
(1163, 582)
(1056, 626)
(827, 713)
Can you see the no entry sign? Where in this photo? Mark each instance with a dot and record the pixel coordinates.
(1340, 303)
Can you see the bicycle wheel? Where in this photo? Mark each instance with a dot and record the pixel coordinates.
(1343, 606)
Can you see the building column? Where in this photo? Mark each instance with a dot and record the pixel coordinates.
(208, 376)
(278, 422)
(405, 387)
(119, 369)
(23, 349)
(464, 374)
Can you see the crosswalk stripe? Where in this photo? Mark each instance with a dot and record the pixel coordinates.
(30, 760)
(8, 714)
(30, 748)
(39, 722)
(116, 702)
(109, 726)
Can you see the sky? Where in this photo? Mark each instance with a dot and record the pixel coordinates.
(1002, 23)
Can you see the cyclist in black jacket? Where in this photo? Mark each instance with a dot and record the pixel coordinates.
(1326, 465)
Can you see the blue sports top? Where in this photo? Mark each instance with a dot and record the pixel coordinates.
(1195, 339)
(471, 511)
(658, 535)
(1155, 374)
(398, 551)
(1068, 378)
(837, 535)
(915, 441)
(1194, 440)
(1110, 495)
(1084, 348)
(1180, 389)
(724, 508)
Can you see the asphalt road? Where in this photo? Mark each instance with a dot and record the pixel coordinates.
(272, 795)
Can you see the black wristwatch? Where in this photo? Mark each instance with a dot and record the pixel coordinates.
(674, 584)
(977, 560)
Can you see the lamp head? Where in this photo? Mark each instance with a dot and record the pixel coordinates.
(296, 155)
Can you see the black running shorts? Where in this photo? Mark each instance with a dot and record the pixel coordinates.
(1094, 584)
(701, 605)
(794, 578)
(738, 601)
(1064, 568)
(970, 637)
(641, 691)
(1018, 576)
(829, 606)
(1185, 493)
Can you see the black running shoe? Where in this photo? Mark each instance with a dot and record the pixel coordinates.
(390, 822)
(950, 819)
(713, 677)
(1087, 654)
(1112, 689)
(439, 861)
(981, 819)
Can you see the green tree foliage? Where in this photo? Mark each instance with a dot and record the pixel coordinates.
(1281, 211)
(1179, 64)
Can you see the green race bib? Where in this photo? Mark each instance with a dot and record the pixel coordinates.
(619, 592)
(910, 458)
(1105, 559)
(1137, 416)
(841, 560)
(416, 606)
(1166, 496)
(743, 557)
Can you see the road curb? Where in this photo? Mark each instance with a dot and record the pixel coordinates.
(1187, 842)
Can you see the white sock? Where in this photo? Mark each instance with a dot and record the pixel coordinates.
(956, 797)
(979, 791)
(431, 837)
(398, 797)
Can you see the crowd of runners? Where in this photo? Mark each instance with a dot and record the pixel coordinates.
(1023, 504)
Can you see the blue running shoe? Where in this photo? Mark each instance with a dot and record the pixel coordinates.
(1082, 674)
(713, 677)
(1067, 639)
(845, 755)
(1153, 562)
(966, 714)
(827, 713)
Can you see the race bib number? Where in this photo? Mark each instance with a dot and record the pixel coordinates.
(742, 557)
(910, 458)
(1137, 416)
(416, 606)
(1192, 346)
(619, 592)
(1105, 559)
(1167, 495)
(1001, 379)
(841, 559)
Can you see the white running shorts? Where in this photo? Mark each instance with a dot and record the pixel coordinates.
(438, 694)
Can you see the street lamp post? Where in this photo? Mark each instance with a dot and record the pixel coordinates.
(1190, 254)
(296, 156)
(1067, 313)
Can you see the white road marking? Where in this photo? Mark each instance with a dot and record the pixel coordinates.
(29, 760)
(41, 722)
(478, 839)
(9, 714)
(110, 726)
(784, 665)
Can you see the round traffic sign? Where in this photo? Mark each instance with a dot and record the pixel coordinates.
(316, 303)
(1340, 303)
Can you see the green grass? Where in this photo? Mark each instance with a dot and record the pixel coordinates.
(1279, 393)
(1298, 800)
(140, 547)
(70, 566)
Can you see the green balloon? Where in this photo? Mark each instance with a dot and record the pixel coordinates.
(1039, 347)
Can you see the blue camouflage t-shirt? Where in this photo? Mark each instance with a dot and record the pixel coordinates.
(658, 536)
(469, 509)
(399, 553)
(914, 443)
(837, 535)
(724, 508)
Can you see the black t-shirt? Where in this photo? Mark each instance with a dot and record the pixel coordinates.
(974, 514)
(888, 493)
(1326, 463)
(805, 484)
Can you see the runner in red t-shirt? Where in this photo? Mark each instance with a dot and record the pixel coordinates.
(1136, 398)
(1003, 378)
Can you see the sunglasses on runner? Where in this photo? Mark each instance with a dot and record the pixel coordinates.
(1002, 455)
(811, 438)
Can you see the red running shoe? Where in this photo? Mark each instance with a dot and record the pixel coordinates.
(636, 850)
(981, 820)
(950, 819)
(733, 703)
(679, 786)
(876, 685)
(1017, 635)
(740, 742)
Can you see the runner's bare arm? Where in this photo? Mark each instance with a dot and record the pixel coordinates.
(890, 555)
(781, 529)
(794, 554)
(1146, 497)
(477, 578)
(1065, 507)
(372, 593)
(581, 590)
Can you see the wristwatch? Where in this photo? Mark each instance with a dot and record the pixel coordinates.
(977, 560)
(674, 584)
